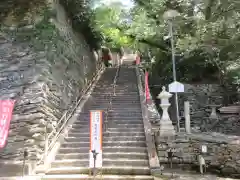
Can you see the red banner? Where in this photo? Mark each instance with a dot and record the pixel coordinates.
(147, 92)
(137, 60)
(6, 109)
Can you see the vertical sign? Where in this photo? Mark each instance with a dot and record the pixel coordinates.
(6, 108)
(95, 138)
(147, 92)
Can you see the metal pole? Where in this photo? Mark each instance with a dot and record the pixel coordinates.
(94, 163)
(25, 154)
(174, 72)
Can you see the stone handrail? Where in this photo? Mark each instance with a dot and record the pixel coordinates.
(153, 112)
(151, 148)
(110, 98)
(52, 138)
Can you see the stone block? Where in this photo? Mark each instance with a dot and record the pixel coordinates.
(44, 85)
(162, 153)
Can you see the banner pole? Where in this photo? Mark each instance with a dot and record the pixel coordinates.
(25, 154)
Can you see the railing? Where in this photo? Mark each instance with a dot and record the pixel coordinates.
(51, 139)
(146, 113)
(109, 109)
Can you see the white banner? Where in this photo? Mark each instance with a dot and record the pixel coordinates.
(95, 138)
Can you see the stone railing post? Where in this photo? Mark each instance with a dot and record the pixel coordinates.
(166, 127)
(187, 117)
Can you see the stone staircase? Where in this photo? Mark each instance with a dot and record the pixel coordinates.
(124, 144)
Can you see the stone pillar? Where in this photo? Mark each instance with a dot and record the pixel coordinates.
(166, 128)
(187, 117)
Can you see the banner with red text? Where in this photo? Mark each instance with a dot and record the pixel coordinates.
(6, 109)
(147, 91)
(96, 121)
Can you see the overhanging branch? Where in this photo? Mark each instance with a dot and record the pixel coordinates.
(154, 44)
(145, 41)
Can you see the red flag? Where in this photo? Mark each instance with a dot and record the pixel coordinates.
(6, 109)
(147, 92)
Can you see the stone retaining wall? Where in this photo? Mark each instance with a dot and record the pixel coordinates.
(227, 124)
(45, 84)
(222, 155)
(199, 96)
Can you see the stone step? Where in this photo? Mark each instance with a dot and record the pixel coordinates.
(64, 150)
(106, 162)
(124, 138)
(126, 131)
(122, 98)
(79, 134)
(80, 127)
(111, 138)
(126, 155)
(129, 114)
(120, 123)
(118, 93)
(75, 144)
(126, 118)
(118, 120)
(126, 93)
(119, 132)
(112, 110)
(105, 143)
(77, 139)
(125, 101)
(117, 113)
(118, 149)
(79, 131)
(115, 132)
(122, 104)
(97, 104)
(126, 96)
(133, 122)
(112, 125)
(99, 177)
(133, 143)
(120, 107)
(104, 93)
(109, 149)
(116, 170)
(137, 112)
(114, 106)
(117, 102)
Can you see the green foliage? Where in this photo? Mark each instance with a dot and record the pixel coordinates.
(24, 12)
(81, 16)
(206, 35)
(41, 36)
(17, 10)
(106, 21)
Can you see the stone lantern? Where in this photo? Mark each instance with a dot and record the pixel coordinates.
(166, 127)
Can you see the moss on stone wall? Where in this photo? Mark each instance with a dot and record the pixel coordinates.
(44, 67)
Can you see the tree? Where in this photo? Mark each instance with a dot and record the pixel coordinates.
(206, 35)
(206, 28)
(106, 21)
